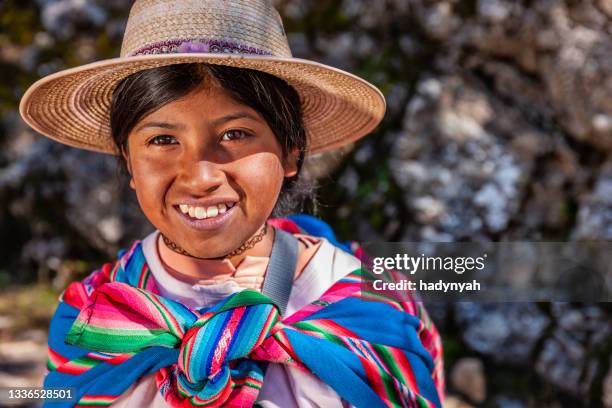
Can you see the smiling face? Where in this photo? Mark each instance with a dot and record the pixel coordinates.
(207, 171)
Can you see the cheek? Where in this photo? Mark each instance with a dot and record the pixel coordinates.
(261, 177)
(151, 182)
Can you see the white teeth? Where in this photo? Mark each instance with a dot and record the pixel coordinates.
(205, 212)
(212, 211)
(200, 213)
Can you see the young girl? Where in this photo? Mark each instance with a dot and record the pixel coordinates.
(222, 305)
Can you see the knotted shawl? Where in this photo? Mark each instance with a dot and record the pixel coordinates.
(374, 349)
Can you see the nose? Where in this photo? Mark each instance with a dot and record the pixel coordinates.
(203, 176)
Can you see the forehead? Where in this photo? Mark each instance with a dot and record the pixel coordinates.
(202, 103)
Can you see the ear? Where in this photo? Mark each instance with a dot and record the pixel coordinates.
(126, 157)
(290, 164)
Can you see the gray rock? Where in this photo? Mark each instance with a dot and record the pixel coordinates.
(594, 219)
(506, 333)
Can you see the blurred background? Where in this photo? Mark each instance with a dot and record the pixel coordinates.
(499, 127)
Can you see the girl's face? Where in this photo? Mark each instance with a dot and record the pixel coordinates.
(207, 171)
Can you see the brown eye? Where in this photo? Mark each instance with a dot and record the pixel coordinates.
(235, 134)
(162, 140)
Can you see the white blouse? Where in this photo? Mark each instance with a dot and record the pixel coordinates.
(283, 386)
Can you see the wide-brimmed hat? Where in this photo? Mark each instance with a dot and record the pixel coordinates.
(72, 106)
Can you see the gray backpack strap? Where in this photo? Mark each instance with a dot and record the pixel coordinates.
(281, 269)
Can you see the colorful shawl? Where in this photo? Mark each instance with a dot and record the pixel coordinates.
(374, 349)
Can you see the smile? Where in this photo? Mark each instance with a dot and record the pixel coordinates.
(205, 218)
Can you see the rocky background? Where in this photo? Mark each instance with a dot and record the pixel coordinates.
(499, 127)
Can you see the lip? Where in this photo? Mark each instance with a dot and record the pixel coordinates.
(207, 224)
(210, 202)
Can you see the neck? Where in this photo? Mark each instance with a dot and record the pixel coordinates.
(260, 247)
(192, 269)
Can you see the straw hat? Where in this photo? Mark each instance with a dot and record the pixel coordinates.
(72, 106)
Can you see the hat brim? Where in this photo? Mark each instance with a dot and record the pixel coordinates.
(72, 106)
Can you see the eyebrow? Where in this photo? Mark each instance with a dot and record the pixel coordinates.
(164, 125)
(233, 116)
(216, 122)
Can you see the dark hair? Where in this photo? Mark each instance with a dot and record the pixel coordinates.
(279, 104)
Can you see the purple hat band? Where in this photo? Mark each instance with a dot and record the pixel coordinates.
(198, 45)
